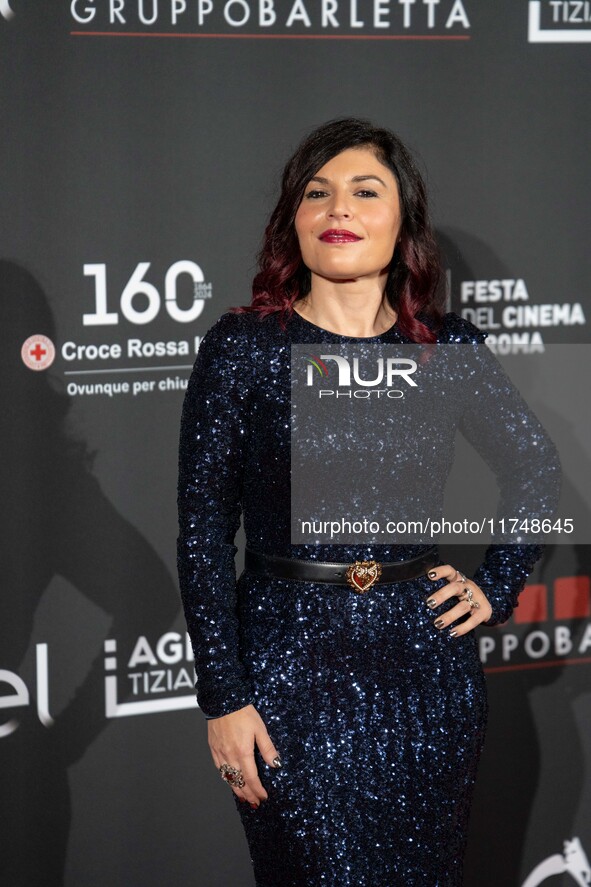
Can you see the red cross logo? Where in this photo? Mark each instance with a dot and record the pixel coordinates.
(38, 352)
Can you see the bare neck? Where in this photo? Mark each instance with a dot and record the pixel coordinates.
(348, 309)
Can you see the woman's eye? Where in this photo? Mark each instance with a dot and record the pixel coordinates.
(317, 194)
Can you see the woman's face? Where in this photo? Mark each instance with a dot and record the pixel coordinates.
(349, 219)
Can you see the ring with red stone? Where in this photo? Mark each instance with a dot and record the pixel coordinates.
(232, 775)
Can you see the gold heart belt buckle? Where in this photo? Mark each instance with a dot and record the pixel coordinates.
(361, 575)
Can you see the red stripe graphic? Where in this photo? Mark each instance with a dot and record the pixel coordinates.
(272, 36)
(572, 598)
(533, 605)
(550, 663)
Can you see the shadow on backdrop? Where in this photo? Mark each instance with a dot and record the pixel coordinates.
(510, 770)
(56, 522)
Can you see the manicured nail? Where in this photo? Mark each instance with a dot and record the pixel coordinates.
(277, 762)
(439, 623)
(431, 602)
(453, 633)
(432, 574)
(254, 806)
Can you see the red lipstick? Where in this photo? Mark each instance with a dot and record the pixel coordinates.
(338, 235)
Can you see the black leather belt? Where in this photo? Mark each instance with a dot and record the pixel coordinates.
(360, 575)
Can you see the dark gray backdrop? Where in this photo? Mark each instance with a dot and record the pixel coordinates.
(160, 144)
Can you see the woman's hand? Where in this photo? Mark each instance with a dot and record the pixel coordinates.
(231, 741)
(471, 600)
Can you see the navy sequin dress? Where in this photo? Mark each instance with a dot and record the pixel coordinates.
(377, 716)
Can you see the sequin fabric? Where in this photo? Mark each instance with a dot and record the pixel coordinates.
(378, 717)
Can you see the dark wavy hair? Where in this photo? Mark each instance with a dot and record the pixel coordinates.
(413, 283)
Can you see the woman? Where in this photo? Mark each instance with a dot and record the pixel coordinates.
(348, 725)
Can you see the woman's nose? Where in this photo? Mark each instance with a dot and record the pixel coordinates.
(340, 207)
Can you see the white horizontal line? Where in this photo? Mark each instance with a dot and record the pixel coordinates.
(186, 366)
(581, 35)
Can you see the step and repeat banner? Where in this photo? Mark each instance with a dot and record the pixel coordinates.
(142, 145)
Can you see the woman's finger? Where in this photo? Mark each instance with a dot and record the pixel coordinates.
(462, 608)
(447, 620)
(445, 571)
(268, 751)
(456, 586)
(466, 591)
(244, 793)
(443, 594)
(254, 790)
(232, 739)
(218, 763)
(469, 625)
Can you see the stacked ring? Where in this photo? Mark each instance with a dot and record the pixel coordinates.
(474, 605)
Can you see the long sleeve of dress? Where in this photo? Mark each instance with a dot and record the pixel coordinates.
(213, 440)
(514, 444)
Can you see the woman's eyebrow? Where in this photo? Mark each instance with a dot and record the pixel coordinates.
(365, 179)
(355, 179)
